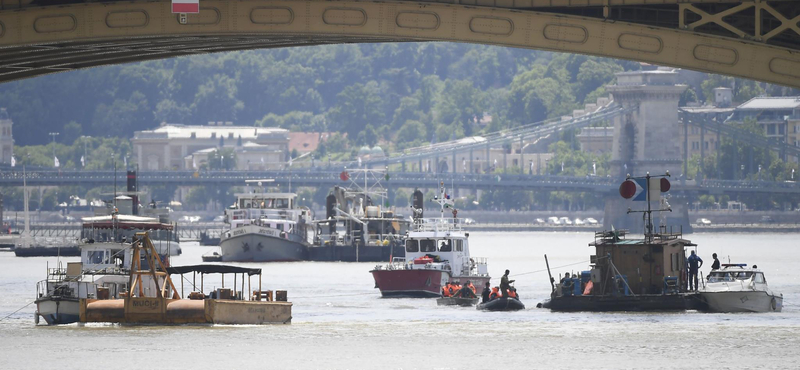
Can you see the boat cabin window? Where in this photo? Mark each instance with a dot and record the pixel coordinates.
(459, 245)
(446, 245)
(759, 278)
(96, 257)
(719, 276)
(281, 203)
(412, 246)
(743, 275)
(427, 245)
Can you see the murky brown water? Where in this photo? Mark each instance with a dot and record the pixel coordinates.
(341, 323)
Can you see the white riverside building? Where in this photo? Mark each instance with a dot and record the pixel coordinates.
(180, 147)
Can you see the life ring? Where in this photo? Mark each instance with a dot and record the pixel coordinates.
(774, 304)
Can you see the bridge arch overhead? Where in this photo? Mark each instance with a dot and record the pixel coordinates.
(698, 35)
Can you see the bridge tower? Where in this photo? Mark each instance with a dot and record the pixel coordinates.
(645, 140)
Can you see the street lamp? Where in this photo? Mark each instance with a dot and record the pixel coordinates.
(742, 172)
(54, 134)
(759, 172)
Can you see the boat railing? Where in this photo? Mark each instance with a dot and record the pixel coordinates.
(479, 265)
(438, 224)
(346, 238)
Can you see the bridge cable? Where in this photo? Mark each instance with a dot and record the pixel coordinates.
(20, 309)
(552, 268)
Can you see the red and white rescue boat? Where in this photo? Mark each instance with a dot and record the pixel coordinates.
(437, 252)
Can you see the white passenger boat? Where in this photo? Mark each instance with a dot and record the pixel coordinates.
(737, 288)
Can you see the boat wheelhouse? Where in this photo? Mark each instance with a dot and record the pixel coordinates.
(647, 274)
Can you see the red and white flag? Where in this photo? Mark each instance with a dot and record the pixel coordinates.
(186, 6)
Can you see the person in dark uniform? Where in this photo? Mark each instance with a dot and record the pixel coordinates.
(715, 265)
(695, 262)
(505, 284)
(486, 291)
(465, 292)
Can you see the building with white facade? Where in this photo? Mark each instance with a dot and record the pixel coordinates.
(180, 147)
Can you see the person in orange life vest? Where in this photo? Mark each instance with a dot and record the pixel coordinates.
(588, 289)
(494, 294)
(512, 293)
(469, 285)
(486, 292)
(446, 290)
(451, 289)
(456, 286)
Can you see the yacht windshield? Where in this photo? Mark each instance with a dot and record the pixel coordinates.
(718, 276)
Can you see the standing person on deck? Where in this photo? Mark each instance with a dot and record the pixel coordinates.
(715, 265)
(695, 262)
(505, 284)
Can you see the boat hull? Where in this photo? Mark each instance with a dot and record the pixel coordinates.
(252, 247)
(347, 253)
(58, 310)
(502, 304)
(740, 301)
(453, 301)
(420, 283)
(646, 302)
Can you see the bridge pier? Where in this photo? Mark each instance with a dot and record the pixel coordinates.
(640, 141)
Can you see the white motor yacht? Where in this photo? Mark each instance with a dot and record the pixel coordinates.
(737, 288)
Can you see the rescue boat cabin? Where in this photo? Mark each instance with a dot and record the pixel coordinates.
(655, 265)
(440, 241)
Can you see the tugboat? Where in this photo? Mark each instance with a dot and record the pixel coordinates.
(265, 227)
(646, 274)
(359, 225)
(737, 288)
(437, 252)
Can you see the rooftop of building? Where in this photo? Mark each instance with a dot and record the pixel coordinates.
(178, 131)
(707, 109)
(778, 102)
(306, 141)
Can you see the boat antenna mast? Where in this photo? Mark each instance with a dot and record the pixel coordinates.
(444, 201)
(652, 186)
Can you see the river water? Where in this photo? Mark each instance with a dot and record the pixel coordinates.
(340, 321)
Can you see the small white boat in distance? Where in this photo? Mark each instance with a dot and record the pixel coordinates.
(737, 288)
